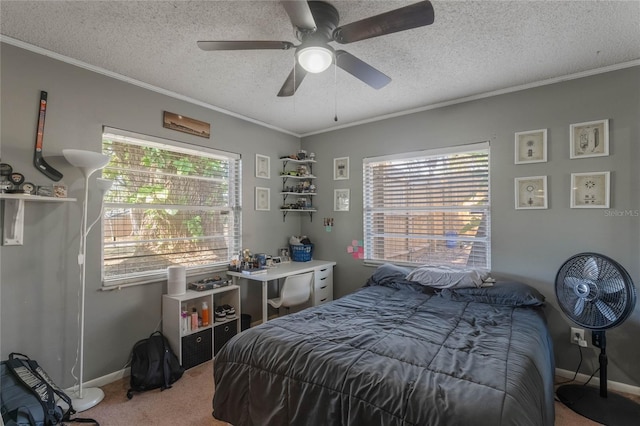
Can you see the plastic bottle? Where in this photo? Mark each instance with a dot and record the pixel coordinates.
(205, 314)
(194, 319)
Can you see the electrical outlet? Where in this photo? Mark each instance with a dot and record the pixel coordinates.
(577, 336)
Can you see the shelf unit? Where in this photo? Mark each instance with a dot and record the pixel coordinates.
(297, 187)
(13, 215)
(193, 347)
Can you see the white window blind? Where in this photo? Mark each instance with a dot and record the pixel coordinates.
(429, 207)
(170, 204)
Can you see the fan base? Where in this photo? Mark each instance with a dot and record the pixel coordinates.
(615, 410)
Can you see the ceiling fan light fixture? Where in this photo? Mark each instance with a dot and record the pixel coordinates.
(315, 59)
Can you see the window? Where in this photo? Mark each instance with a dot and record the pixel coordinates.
(170, 204)
(429, 207)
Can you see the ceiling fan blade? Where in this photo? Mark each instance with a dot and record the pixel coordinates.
(361, 70)
(244, 45)
(579, 307)
(404, 18)
(606, 310)
(300, 15)
(591, 269)
(292, 82)
(611, 285)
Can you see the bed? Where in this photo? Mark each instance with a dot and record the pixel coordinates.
(394, 353)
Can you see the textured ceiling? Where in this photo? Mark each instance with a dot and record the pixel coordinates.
(473, 47)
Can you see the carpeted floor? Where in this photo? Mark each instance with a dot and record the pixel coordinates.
(188, 403)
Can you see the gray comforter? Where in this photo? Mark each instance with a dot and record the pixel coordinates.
(388, 356)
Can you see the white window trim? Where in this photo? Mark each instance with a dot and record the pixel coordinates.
(149, 278)
(430, 153)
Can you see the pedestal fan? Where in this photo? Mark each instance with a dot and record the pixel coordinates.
(597, 293)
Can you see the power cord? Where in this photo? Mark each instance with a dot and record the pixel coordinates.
(576, 372)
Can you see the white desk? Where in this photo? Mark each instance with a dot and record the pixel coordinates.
(283, 270)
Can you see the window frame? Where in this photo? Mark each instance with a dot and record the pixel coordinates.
(235, 207)
(368, 234)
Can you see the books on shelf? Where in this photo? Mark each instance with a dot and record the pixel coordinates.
(255, 271)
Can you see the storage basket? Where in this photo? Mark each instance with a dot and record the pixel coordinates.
(301, 253)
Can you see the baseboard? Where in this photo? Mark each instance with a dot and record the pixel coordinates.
(105, 380)
(595, 381)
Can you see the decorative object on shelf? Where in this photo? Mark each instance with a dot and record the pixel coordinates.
(590, 190)
(60, 191)
(589, 139)
(45, 190)
(176, 280)
(263, 196)
(531, 147)
(185, 124)
(5, 172)
(531, 192)
(263, 166)
(341, 168)
(38, 159)
(341, 200)
(88, 162)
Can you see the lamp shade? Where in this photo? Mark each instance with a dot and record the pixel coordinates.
(315, 59)
(104, 185)
(87, 161)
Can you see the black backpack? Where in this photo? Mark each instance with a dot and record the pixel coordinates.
(28, 395)
(153, 365)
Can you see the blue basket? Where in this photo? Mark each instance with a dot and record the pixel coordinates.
(301, 253)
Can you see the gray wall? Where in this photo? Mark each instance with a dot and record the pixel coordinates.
(529, 245)
(40, 279)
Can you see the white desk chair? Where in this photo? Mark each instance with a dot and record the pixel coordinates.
(296, 290)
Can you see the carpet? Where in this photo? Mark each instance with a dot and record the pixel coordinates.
(188, 402)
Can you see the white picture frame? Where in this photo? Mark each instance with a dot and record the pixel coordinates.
(531, 193)
(531, 146)
(590, 190)
(589, 139)
(341, 168)
(263, 199)
(263, 166)
(341, 198)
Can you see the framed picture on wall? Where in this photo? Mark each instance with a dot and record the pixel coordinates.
(263, 196)
(341, 168)
(341, 200)
(531, 147)
(590, 139)
(531, 192)
(263, 166)
(590, 190)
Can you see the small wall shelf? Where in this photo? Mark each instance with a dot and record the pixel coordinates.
(303, 187)
(13, 215)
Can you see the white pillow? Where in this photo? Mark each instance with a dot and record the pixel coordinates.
(448, 277)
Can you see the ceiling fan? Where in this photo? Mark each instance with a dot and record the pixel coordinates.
(316, 25)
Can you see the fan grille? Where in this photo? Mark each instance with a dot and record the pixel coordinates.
(595, 291)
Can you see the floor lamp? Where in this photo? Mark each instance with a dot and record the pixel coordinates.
(88, 162)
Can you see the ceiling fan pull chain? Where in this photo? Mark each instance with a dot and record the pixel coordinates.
(335, 91)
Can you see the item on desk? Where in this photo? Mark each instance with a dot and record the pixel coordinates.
(255, 271)
(262, 259)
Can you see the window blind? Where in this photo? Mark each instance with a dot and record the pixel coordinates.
(170, 204)
(429, 207)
